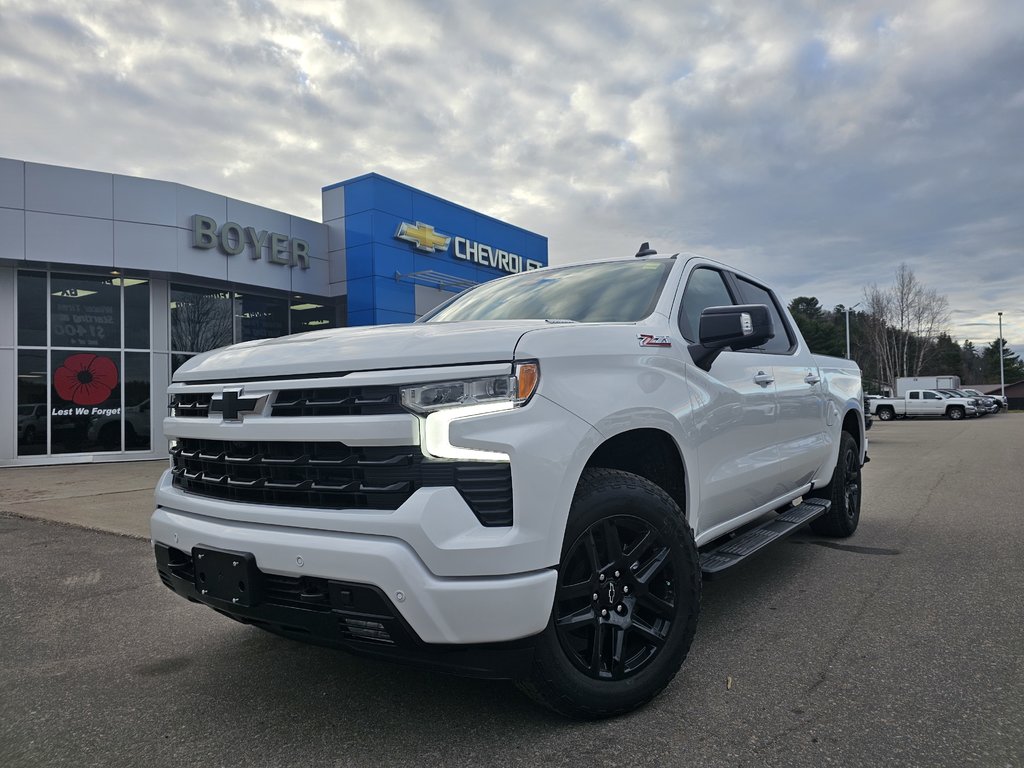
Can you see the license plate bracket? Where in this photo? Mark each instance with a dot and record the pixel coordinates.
(227, 576)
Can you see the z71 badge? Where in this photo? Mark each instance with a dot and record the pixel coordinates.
(649, 340)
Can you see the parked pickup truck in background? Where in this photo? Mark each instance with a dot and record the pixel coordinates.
(984, 403)
(906, 383)
(1000, 401)
(528, 483)
(922, 402)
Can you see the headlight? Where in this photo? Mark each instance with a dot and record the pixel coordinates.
(514, 389)
(438, 405)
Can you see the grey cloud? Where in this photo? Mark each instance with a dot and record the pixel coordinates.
(815, 145)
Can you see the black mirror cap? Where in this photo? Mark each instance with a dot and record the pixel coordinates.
(733, 327)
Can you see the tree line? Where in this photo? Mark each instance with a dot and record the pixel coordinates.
(902, 330)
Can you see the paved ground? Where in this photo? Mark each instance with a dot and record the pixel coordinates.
(900, 646)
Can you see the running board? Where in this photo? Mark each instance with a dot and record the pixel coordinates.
(746, 544)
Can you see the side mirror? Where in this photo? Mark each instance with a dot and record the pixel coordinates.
(733, 327)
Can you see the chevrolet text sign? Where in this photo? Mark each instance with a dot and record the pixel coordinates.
(233, 238)
(424, 238)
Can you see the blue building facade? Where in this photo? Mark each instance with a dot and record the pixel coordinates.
(403, 251)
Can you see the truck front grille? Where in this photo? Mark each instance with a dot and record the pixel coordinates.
(194, 405)
(335, 476)
(337, 401)
(309, 401)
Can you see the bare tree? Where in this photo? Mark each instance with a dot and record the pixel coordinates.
(904, 322)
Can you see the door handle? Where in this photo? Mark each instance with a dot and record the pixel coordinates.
(812, 378)
(764, 379)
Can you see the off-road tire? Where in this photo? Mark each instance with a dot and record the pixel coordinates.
(655, 582)
(844, 491)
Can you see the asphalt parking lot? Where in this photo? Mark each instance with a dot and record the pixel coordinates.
(903, 645)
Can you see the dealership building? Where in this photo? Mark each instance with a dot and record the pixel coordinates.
(108, 283)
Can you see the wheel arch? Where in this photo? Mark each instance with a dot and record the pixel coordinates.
(853, 423)
(651, 453)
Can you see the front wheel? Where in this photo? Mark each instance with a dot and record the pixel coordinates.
(626, 603)
(844, 492)
(955, 413)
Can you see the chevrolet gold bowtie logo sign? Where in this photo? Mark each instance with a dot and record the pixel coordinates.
(423, 237)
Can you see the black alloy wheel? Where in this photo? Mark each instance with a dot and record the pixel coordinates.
(844, 492)
(627, 598)
(616, 600)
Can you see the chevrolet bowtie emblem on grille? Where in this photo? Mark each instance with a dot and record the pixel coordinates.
(231, 405)
(423, 237)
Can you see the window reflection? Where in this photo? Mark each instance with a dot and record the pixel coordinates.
(201, 319)
(310, 316)
(85, 311)
(261, 317)
(31, 402)
(32, 309)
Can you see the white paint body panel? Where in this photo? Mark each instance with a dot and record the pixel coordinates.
(747, 447)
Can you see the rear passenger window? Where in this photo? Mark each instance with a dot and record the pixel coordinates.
(705, 288)
(752, 293)
(914, 396)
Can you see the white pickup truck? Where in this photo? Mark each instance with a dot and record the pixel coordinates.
(528, 483)
(923, 402)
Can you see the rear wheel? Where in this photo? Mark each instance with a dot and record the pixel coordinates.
(886, 413)
(626, 603)
(844, 492)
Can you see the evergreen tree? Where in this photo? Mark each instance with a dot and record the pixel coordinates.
(817, 327)
(946, 358)
(970, 364)
(1013, 367)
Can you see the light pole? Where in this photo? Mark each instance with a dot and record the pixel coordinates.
(847, 310)
(1002, 381)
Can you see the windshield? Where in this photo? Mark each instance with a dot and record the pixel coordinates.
(610, 292)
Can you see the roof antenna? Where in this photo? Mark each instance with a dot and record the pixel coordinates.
(646, 250)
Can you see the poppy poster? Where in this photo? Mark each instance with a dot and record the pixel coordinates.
(85, 402)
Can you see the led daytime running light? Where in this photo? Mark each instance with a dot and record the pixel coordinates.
(435, 432)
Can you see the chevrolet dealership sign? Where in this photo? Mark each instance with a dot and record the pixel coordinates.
(424, 238)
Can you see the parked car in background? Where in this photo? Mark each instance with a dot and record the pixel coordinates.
(983, 403)
(31, 423)
(1000, 401)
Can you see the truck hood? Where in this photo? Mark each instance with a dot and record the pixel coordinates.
(366, 348)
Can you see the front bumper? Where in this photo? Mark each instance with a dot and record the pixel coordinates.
(355, 617)
(436, 610)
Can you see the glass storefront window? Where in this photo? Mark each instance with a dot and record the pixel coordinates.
(310, 316)
(178, 360)
(201, 319)
(261, 317)
(85, 402)
(85, 311)
(31, 402)
(32, 309)
(136, 401)
(136, 312)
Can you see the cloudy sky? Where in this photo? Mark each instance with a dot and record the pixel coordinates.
(816, 144)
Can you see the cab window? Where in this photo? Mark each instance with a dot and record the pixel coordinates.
(752, 293)
(705, 288)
